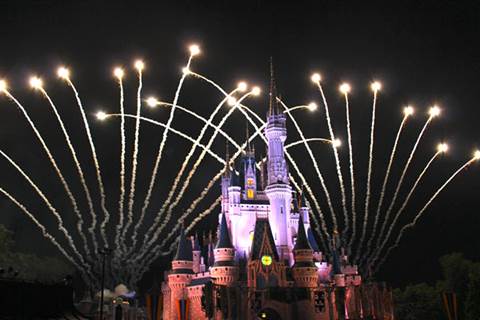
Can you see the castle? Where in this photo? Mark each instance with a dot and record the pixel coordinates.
(266, 263)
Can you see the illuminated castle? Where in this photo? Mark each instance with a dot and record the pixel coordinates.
(266, 263)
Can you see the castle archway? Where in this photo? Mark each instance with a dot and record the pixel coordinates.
(268, 314)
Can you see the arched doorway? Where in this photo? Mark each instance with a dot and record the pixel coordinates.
(268, 314)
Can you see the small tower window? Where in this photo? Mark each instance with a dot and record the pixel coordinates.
(249, 194)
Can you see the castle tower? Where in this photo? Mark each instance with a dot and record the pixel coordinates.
(180, 277)
(226, 182)
(304, 271)
(224, 271)
(250, 173)
(197, 253)
(278, 189)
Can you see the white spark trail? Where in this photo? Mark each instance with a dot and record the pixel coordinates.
(400, 181)
(352, 176)
(369, 177)
(385, 181)
(121, 200)
(165, 135)
(94, 158)
(48, 152)
(314, 161)
(292, 144)
(135, 162)
(188, 157)
(337, 160)
(379, 249)
(80, 173)
(43, 229)
(420, 213)
(50, 207)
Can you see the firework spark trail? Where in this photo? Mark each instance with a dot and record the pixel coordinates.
(352, 176)
(292, 144)
(186, 183)
(369, 177)
(50, 207)
(165, 135)
(337, 160)
(203, 214)
(315, 163)
(385, 181)
(121, 200)
(80, 173)
(135, 162)
(375, 253)
(292, 161)
(201, 196)
(400, 181)
(48, 152)
(420, 213)
(43, 229)
(98, 172)
(187, 159)
(175, 131)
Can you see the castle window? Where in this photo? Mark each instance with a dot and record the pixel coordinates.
(249, 193)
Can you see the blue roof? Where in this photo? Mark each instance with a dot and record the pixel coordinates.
(184, 250)
(313, 242)
(224, 236)
(302, 242)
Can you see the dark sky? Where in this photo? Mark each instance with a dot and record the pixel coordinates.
(423, 53)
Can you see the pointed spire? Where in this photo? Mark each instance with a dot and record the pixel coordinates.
(312, 240)
(247, 139)
(227, 172)
(224, 236)
(196, 243)
(184, 250)
(302, 241)
(272, 109)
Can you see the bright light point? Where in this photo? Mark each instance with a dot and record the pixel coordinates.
(316, 78)
(3, 85)
(152, 102)
(186, 70)
(312, 106)
(63, 73)
(442, 147)
(256, 91)
(139, 65)
(231, 101)
(408, 110)
(242, 86)
(194, 49)
(434, 111)
(337, 143)
(376, 86)
(345, 88)
(101, 115)
(119, 73)
(476, 155)
(36, 83)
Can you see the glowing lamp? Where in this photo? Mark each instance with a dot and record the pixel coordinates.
(267, 260)
(408, 110)
(434, 111)
(442, 147)
(152, 102)
(118, 72)
(316, 78)
(63, 73)
(194, 49)
(476, 155)
(256, 91)
(376, 86)
(345, 88)
(139, 65)
(337, 143)
(36, 82)
(242, 86)
(231, 101)
(101, 115)
(312, 106)
(3, 85)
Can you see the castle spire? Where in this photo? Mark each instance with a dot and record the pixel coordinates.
(247, 139)
(302, 241)
(272, 110)
(184, 250)
(224, 236)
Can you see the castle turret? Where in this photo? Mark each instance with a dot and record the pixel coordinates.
(278, 189)
(224, 271)
(226, 182)
(181, 275)
(196, 254)
(304, 270)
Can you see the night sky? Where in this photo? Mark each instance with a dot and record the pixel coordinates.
(423, 54)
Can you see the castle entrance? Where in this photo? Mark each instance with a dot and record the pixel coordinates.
(268, 314)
